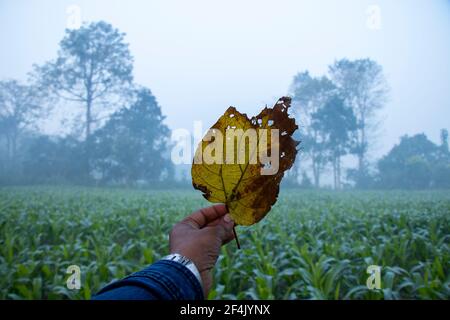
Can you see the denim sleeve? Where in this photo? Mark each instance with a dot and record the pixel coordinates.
(163, 280)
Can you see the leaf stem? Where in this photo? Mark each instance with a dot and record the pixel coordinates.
(236, 238)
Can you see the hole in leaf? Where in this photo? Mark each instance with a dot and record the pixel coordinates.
(267, 165)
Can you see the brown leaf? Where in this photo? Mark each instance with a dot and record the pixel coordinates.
(237, 168)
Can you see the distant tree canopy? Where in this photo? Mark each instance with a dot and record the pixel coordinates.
(358, 89)
(125, 140)
(362, 85)
(336, 124)
(121, 138)
(93, 69)
(311, 94)
(131, 147)
(416, 163)
(133, 144)
(338, 117)
(52, 160)
(19, 109)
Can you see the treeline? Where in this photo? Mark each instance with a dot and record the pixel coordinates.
(338, 116)
(117, 135)
(415, 163)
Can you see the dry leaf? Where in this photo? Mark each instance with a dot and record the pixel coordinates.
(240, 172)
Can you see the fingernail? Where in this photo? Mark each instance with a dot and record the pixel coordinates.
(227, 218)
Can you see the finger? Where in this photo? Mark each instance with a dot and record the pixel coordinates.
(217, 221)
(202, 217)
(225, 229)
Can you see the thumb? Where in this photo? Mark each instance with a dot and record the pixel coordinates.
(225, 229)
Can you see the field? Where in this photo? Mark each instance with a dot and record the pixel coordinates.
(312, 245)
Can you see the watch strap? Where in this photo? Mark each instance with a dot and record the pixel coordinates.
(188, 263)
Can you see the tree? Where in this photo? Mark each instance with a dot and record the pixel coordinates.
(337, 125)
(19, 107)
(363, 86)
(93, 64)
(444, 141)
(306, 182)
(132, 145)
(50, 159)
(441, 172)
(309, 95)
(415, 163)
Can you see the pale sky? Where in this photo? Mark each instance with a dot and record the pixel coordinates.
(199, 57)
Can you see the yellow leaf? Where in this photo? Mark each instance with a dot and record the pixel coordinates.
(241, 161)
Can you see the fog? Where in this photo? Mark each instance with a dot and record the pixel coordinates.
(199, 57)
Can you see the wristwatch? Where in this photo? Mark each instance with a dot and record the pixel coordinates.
(188, 263)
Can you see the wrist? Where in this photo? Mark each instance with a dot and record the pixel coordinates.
(188, 263)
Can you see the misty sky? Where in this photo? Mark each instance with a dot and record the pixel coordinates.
(199, 57)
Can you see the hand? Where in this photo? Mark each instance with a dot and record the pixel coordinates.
(199, 238)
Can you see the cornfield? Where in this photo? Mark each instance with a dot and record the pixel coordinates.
(312, 245)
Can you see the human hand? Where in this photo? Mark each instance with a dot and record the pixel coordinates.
(199, 238)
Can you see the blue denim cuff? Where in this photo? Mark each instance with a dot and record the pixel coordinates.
(164, 280)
